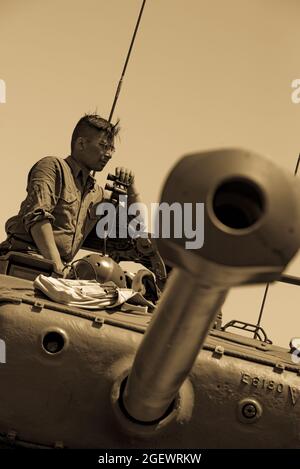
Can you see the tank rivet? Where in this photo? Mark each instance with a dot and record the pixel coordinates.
(249, 411)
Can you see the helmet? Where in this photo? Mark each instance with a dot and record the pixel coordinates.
(144, 282)
(100, 268)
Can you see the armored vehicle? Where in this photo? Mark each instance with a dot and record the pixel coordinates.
(175, 377)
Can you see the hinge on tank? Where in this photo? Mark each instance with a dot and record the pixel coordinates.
(38, 306)
(279, 368)
(98, 322)
(218, 352)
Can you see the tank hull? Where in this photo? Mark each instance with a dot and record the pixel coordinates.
(70, 398)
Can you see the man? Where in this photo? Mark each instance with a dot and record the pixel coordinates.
(60, 208)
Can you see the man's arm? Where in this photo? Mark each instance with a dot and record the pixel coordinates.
(44, 185)
(43, 237)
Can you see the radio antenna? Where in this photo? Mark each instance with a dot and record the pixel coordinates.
(125, 65)
(126, 62)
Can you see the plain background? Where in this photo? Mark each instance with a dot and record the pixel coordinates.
(204, 74)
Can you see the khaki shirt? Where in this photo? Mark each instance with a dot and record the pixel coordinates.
(63, 193)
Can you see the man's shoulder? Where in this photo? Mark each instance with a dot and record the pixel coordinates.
(48, 166)
(50, 159)
(53, 164)
(47, 161)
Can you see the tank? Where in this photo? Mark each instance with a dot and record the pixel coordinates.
(174, 378)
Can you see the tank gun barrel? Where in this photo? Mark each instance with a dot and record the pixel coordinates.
(172, 344)
(252, 231)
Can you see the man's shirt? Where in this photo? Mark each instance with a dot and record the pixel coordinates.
(65, 194)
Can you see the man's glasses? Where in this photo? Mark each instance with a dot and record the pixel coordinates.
(107, 147)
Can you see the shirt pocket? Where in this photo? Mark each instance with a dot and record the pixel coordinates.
(67, 209)
(91, 218)
(69, 196)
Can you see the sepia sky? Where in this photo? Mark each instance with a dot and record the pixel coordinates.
(204, 74)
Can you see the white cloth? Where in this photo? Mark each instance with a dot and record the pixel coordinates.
(88, 294)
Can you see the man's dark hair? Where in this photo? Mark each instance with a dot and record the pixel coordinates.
(91, 123)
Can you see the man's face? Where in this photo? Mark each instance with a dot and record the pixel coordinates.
(98, 150)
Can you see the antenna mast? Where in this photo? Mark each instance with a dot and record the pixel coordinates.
(125, 64)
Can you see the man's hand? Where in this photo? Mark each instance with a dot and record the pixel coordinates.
(59, 267)
(127, 176)
(124, 175)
